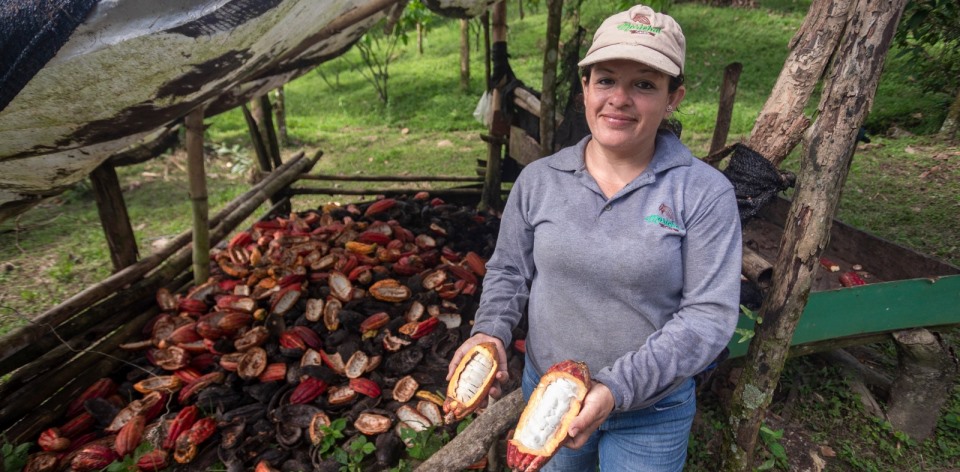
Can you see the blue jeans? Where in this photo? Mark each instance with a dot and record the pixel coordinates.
(652, 439)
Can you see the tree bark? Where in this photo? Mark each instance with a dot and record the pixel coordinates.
(473, 443)
(951, 124)
(831, 141)
(491, 198)
(464, 54)
(925, 378)
(781, 122)
(548, 96)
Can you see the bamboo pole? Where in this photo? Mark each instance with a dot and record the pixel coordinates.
(19, 346)
(198, 196)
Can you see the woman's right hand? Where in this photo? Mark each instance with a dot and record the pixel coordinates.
(501, 375)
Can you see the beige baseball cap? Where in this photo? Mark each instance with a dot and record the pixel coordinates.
(642, 35)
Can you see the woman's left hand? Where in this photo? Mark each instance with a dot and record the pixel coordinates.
(596, 408)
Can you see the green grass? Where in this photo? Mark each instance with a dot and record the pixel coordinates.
(901, 188)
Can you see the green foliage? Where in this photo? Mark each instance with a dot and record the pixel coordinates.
(331, 434)
(14, 457)
(423, 444)
(746, 333)
(930, 33)
(352, 456)
(778, 454)
(128, 463)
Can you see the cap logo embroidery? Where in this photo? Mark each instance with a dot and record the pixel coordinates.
(640, 25)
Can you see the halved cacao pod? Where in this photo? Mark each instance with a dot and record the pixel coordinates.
(316, 432)
(412, 418)
(430, 411)
(252, 363)
(546, 419)
(371, 423)
(356, 365)
(389, 290)
(470, 381)
(405, 388)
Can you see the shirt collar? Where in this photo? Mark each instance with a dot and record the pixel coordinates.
(669, 152)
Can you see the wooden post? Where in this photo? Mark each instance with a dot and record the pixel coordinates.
(198, 196)
(486, 50)
(846, 99)
(781, 122)
(259, 147)
(548, 96)
(464, 54)
(499, 127)
(280, 109)
(728, 95)
(113, 216)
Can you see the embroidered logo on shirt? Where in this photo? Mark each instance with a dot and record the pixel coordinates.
(664, 219)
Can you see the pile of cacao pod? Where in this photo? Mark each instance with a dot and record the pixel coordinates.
(342, 312)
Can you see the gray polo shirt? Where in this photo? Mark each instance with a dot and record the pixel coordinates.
(644, 287)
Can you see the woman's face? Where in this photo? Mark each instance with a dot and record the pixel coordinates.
(625, 101)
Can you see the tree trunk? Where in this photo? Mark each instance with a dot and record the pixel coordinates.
(831, 141)
(548, 96)
(419, 38)
(464, 54)
(781, 123)
(926, 374)
(951, 124)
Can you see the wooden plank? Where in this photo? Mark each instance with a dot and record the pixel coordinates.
(868, 310)
(113, 216)
(523, 148)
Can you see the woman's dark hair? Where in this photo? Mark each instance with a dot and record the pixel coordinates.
(675, 82)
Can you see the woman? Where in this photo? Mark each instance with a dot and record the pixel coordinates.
(624, 251)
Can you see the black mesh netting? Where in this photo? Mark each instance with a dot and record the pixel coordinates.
(31, 33)
(755, 180)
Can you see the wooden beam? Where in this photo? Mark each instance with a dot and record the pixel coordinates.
(391, 178)
(113, 216)
(198, 196)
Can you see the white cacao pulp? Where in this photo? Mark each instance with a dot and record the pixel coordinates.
(472, 377)
(548, 413)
